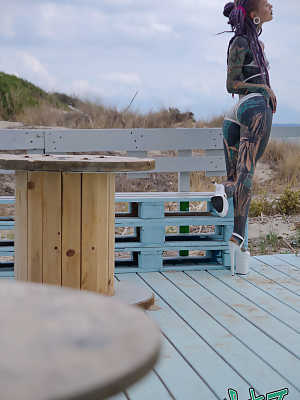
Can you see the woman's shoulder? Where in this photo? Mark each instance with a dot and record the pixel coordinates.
(240, 41)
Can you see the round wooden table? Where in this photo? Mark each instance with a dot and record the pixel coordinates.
(65, 217)
(65, 344)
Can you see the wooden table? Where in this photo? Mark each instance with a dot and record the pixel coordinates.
(65, 218)
(61, 343)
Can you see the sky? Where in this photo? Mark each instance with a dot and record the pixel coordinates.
(166, 50)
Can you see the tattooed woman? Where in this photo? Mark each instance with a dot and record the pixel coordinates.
(247, 127)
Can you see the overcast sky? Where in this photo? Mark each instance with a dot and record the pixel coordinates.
(167, 50)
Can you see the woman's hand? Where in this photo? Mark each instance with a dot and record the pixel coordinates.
(272, 97)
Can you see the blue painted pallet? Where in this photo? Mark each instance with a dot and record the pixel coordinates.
(146, 215)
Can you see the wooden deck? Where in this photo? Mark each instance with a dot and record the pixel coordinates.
(223, 332)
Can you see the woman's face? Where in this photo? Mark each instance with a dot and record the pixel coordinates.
(264, 11)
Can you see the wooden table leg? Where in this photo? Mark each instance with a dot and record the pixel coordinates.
(65, 233)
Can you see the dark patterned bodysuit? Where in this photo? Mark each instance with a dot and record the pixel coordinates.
(246, 128)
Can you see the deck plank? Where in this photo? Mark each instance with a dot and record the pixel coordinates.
(273, 289)
(290, 258)
(266, 269)
(262, 320)
(280, 265)
(247, 362)
(148, 388)
(183, 323)
(262, 300)
(220, 303)
(182, 344)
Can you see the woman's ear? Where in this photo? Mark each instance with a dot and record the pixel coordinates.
(252, 14)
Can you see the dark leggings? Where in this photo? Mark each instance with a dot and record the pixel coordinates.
(243, 147)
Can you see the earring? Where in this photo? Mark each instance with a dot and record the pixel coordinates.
(256, 20)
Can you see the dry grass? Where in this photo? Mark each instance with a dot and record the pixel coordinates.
(284, 158)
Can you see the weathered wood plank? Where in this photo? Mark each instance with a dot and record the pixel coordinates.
(291, 259)
(266, 269)
(35, 227)
(71, 233)
(204, 359)
(190, 301)
(21, 217)
(280, 265)
(137, 139)
(265, 322)
(52, 228)
(74, 163)
(111, 232)
(96, 229)
(222, 303)
(271, 287)
(262, 300)
(149, 388)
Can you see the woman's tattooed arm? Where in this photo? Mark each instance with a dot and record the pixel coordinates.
(236, 59)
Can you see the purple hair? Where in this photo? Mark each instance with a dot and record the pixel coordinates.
(242, 24)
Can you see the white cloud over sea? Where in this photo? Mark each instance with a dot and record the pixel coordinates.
(167, 50)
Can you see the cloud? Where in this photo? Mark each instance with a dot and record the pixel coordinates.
(167, 51)
(29, 67)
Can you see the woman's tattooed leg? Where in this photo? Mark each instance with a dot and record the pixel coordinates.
(231, 141)
(256, 119)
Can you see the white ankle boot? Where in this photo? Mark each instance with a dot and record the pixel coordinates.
(220, 193)
(239, 259)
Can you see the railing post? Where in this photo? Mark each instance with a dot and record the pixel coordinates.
(184, 186)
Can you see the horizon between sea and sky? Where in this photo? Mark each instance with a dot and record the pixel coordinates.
(168, 52)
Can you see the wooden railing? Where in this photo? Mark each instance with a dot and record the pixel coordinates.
(138, 142)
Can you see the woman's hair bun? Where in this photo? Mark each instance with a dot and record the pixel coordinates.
(228, 8)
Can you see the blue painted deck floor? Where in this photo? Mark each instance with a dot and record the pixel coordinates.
(223, 332)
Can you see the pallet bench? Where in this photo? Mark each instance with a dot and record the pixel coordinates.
(148, 246)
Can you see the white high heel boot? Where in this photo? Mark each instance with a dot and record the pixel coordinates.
(239, 259)
(220, 194)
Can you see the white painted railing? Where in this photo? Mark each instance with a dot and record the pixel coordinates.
(138, 142)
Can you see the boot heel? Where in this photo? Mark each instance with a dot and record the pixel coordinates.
(239, 259)
(234, 248)
(242, 265)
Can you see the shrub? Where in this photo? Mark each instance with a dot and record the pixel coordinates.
(289, 202)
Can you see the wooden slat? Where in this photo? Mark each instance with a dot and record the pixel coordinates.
(222, 303)
(262, 300)
(281, 266)
(202, 311)
(71, 232)
(149, 388)
(283, 279)
(111, 233)
(273, 289)
(133, 139)
(97, 232)
(35, 227)
(52, 228)
(21, 271)
(204, 359)
(21, 139)
(74, 163)
(265, 322)
(290, 259)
